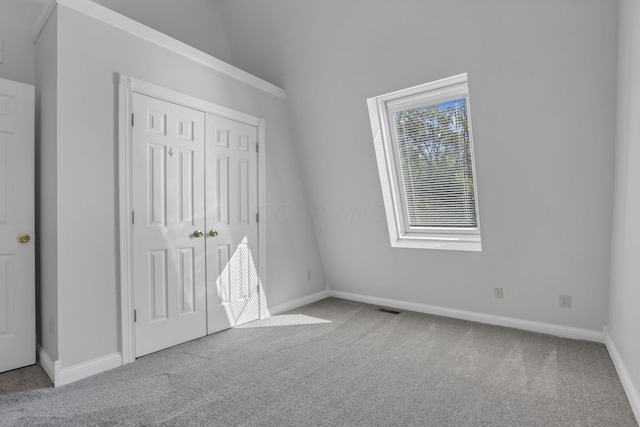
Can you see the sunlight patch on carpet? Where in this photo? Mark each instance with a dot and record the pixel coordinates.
(284, 320)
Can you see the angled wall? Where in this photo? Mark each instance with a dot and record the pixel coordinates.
(197, 23)
(80, 58)
(542, 91)
(624, 316)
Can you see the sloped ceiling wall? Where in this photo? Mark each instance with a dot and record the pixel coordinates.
(17, 52)
(294, 266)
(542, 85)
(197, 23)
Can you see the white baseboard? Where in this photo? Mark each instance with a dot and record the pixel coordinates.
(629, 388)
(291, 305)
(50, 367)
(510, 322)
(62, 376)
(87, 369)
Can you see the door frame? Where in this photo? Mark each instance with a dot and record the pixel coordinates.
(127, 87)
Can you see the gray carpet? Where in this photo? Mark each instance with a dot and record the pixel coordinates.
(365, 368)
(29, 378)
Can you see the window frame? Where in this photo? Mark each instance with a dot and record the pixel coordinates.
(381, 110)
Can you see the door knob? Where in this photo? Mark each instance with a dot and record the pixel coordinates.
(213, 233)
(23, 237)
(197, 234)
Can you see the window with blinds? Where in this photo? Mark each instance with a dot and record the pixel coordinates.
(434, 153)
(424, 149)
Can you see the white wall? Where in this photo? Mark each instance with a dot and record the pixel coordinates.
(89, 54)
(46, 76)
(17, 52)
(624, 315)
(542, 86)
(197, 23)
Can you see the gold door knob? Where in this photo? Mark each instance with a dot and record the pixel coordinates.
(197, 234)
(23, 237)
(213, 233)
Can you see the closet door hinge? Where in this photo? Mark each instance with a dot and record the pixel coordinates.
(257, 147)
(257, 217)
(133, 217)
(135, 316)
(132, 119)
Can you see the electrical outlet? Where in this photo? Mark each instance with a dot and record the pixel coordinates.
(308, 274)
(564, 301)
(498, 293)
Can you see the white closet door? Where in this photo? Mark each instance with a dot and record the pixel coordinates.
(169, 224)
(233, 295)
(17, 266)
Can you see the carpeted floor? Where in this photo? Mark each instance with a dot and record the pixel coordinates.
(364, 368)
(24, 379)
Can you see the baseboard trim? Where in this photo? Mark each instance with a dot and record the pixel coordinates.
(50, 367)
(510, 322)
(632, 392)
(87, 369)
(292, 305)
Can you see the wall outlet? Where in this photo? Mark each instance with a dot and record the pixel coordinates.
(564, 301)
(498, 293)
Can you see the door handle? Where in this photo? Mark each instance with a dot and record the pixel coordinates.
(23, 237)
(197, 234)
(213, 233)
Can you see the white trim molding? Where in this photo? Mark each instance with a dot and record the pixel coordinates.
(50, 367)
(425, 233)
(509, 322)
(127, 87)
(87, 369)
(63, 376)
(262, 212)
(128, 25)
(627, 383)
(125, 100)
(297, 303)
(42, 19)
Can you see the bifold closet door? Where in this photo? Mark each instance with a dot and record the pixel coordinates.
(169, 224)
(233, 292)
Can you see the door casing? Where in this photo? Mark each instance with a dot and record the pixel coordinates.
(127, 86)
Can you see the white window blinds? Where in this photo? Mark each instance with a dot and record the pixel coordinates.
(435, 159)
(424, 148)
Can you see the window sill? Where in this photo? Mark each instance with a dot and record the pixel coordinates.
(437, 242)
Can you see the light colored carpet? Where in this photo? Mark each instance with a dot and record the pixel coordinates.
(29, 378)
(284, 320)
(365, 368)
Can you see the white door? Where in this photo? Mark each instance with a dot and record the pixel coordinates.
(17, 266)
(168, 225)
(232, 230)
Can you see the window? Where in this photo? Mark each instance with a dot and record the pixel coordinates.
(424, 147)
